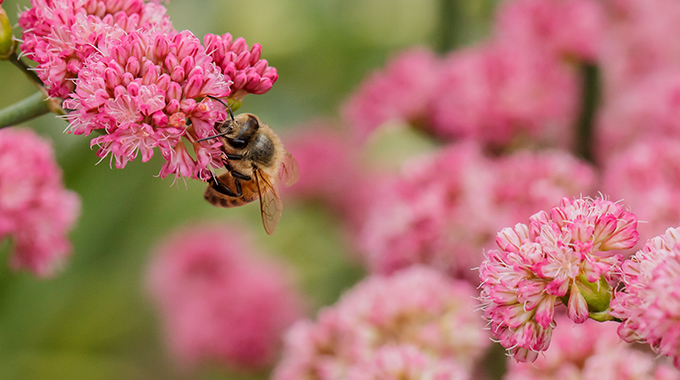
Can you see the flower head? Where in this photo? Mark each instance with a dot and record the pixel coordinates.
(149, 90)
(35, 209)
(61, 34)
(649, 305)
(217, 302)
(381, 318)
(565, 256)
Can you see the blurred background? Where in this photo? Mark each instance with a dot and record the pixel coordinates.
(94, 320)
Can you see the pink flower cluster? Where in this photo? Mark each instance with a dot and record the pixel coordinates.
(648, 305)
(36, 212)
(61, 34)
(577, 355)
(217, 302)
(445, 207)
(142, 92)
(415, 322)
(568, 254)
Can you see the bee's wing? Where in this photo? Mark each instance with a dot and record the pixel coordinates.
(270, 202)
(290, 172)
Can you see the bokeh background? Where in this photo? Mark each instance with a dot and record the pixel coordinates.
(94, 320)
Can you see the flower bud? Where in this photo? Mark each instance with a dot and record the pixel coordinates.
(7, 43)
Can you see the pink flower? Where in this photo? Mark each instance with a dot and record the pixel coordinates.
(571, 29)
(403, 92)
(591, 351)
(570, 252)
(501, 95)
(636, 43)
(249, 73)
(446, 206)
(146, 91)
(217, 302)
(648, 108)
(649, 305)
(417, 307)
(647, 176)
(61, 34)
(35, 209)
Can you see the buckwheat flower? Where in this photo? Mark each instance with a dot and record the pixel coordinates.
(147, 91)
(249, 73)
(591, 351)
(566, 256)
(572, 29)
(648, 305)
(219, 300)
(417, 307)
(61, 34)
(36, 211)
(502, 95)
(444, 207)
(647, 176)
(403, 91)
(647, 108)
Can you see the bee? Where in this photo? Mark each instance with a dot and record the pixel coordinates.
(256, 164)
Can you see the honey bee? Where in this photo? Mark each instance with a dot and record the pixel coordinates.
(256, 164)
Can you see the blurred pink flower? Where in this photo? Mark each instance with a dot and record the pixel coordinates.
(219, 303)
(570, 29)
(591, 351)
(649, 305)
(61, 34)
(141, 90)
(648, 108)
(417, 307)
(570, 252)
(444, 208)
(647, 177)
(636, 41)
(502, 95)
(36, 211)
(249, 73)
(403, 91)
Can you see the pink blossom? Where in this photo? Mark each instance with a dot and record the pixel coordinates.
(147, 91)
(417, 307)
(648, 108)
(61, 34)
(573, 252)
(217, 301)
(502, 95)
(249, 73)
(403, 91)
(591, 351)
(636, 41)
(36, 211)
(571, 29)
(647, 176)
(444, 207)
(649, 305)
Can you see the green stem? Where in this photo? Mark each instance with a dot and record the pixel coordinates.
(27, 109)
(27, 70)
(591, 97)
(450, 25)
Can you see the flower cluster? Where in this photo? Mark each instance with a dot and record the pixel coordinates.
(576, 355)
(217, 302)
(448, 205)
(649, 305)
(35, 209)
(417, 321)
(566, 256)
(61, 34)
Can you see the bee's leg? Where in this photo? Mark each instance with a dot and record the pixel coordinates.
(235, 157)
(224, 189)
(240, 176)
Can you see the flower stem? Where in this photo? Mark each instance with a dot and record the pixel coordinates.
(591, 97)
(27, 109)
(27, 70)
(450, 21)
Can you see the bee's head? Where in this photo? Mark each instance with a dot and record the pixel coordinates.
(241, 130)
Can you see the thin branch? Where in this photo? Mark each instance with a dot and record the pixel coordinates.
(24, 110)
(591, 98)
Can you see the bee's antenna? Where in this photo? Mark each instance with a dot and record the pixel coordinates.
(212, 137)
(231, 113)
